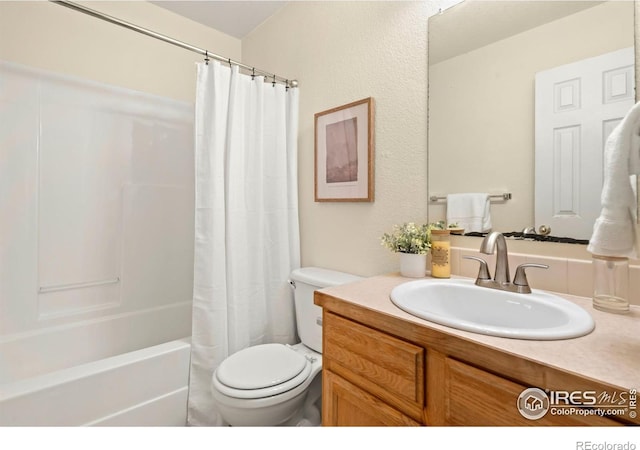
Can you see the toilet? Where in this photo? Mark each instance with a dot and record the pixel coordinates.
(276, 384)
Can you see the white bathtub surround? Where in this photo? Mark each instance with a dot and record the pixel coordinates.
(247, 237)
(38, 353)
(96, 237)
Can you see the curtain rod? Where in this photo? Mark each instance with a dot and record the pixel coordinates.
(207, 54)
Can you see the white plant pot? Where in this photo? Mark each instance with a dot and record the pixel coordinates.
(412, 265)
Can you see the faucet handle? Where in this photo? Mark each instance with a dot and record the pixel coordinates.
(483, 272)
(520, 280)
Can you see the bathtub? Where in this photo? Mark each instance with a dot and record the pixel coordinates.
(146, 386)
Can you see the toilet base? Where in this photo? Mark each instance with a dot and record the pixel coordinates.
(301, 410)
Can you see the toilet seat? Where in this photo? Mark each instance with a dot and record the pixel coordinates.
(261, 371)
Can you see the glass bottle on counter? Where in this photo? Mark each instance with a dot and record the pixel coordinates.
(440, 254)
(611, 283)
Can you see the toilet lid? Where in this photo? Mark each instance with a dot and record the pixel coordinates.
(261, 366)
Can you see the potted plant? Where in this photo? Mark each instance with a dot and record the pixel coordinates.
(412, 242)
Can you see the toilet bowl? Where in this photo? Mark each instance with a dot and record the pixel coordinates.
(268, 385)
(276, 384)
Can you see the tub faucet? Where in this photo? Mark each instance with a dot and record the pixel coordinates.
(495, 241)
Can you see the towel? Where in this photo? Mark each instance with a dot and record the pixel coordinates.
(615, 232)
(469, 211)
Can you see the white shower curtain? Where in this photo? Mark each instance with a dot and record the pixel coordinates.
(246, 222)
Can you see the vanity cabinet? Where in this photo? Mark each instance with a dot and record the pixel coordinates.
(379, 370)
(348, 405)
(468, 396)
(388, 371)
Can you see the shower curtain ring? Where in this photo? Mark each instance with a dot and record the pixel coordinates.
(253, 73)
(229, 61)
(274, 80)
(206, 57)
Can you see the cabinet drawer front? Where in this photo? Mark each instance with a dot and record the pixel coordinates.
(476, 397)
(395, 366)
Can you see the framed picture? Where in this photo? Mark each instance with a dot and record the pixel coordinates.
(344, 153)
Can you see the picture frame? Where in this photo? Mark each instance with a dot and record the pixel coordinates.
(343, 153)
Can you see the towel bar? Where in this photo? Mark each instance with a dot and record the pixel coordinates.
(505, 196)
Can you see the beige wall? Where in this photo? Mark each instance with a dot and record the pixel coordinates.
(341, 52)
(344, 51)
(48, 36)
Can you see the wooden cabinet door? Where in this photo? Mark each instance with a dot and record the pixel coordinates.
(345, 404)
(468, 396)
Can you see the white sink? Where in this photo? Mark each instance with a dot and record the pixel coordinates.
(463, 305)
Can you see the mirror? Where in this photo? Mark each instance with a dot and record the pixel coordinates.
(483, 61)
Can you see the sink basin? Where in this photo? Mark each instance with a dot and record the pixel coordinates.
(463, 305)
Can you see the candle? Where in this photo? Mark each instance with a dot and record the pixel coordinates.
(440, 254)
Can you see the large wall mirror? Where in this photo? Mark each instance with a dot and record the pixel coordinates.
(486, 63)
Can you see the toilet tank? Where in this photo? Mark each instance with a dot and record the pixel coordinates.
(305, 282)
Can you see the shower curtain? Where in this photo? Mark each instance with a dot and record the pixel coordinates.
(246, 222)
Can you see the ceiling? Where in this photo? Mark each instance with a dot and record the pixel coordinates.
(489, 21)
(236, 18)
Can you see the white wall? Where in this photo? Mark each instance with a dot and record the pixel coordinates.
(341, 52)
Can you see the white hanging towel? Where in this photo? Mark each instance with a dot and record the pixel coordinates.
(470, 211)
(615, 232)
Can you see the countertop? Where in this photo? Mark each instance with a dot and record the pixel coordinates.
(610, 354)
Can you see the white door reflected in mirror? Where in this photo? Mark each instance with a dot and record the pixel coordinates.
(577, 107)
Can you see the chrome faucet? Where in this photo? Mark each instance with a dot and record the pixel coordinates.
(495, 241)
